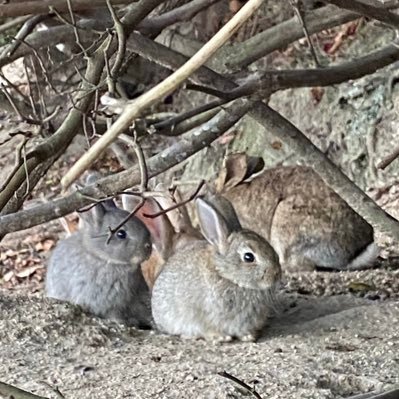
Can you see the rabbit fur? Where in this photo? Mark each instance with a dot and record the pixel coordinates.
(101, 273)
(308, 224)
(207, 289)
(169, 231)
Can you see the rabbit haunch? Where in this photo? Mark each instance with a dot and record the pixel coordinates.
(307, 223)
(102, 273)
(219, 288)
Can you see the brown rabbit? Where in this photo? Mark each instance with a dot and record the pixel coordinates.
(220, 287)
(307, 223)
(169, 232)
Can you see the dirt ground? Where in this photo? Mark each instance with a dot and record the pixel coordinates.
(325, 344)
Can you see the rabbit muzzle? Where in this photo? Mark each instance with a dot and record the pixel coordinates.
(270, 278)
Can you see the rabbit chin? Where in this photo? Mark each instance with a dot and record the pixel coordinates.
(261, 284)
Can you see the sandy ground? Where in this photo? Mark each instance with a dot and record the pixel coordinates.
(317, 347)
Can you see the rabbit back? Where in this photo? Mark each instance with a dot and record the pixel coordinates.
(307, 223)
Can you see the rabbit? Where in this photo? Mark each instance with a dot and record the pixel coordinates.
(306, 222)
(169, 231)
(101, 272)
(218, 288)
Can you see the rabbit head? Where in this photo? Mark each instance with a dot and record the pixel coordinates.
(169, 231)
(240, 255)
(130, 244)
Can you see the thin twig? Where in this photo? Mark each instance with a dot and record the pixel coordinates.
(298, 12)
(25, 30)
(385, 162)
(178, 205)
(120, 32)
(241, 383)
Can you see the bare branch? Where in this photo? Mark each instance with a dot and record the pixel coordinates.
(298, 12)
(368, 10)
(389, 159)
(43, 6)
(241, 383)
(155, 24)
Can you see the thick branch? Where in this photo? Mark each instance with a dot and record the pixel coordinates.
(368, 10)
(183, 149)
(43, 6)
(281, 79)
(155, 24)
(279, 36)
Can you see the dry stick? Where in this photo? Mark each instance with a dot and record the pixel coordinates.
(368, 10)
(243, 54)
(241, 383)
(24, 31)
(43, 6)
(164, 88)
(298, 12)
(10, 391)
(288, 134)
(14, 22)
(185, 12)
(389, 159)
(177, 205)
(179, 152)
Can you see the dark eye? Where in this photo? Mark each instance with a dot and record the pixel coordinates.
(121, 234)
(249, 257)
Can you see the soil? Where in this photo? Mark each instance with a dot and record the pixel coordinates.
(317, 347)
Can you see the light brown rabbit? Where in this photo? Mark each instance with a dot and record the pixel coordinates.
(170, 231)
(221, 287)
(308, 224)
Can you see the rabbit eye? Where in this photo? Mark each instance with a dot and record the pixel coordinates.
(121, 234)
(249, 257)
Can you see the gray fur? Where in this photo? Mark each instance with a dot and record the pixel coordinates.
(103, 277)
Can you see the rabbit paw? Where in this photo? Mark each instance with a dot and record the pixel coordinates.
(218, 338)
(248, 338)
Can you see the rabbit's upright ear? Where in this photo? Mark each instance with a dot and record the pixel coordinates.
(213, 225)
(94, 216)
(91, 178)
(160, 228)
(226, 209)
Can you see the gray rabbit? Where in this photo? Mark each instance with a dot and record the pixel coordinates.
(101, 272)
(221, 287)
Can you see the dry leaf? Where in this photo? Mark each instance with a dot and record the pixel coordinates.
(8, 276)
(28, 271)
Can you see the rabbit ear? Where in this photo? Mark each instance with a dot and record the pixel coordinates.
(225, 208)
(91, 178)
(213, 225)
(160, 228)
(94, 216)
